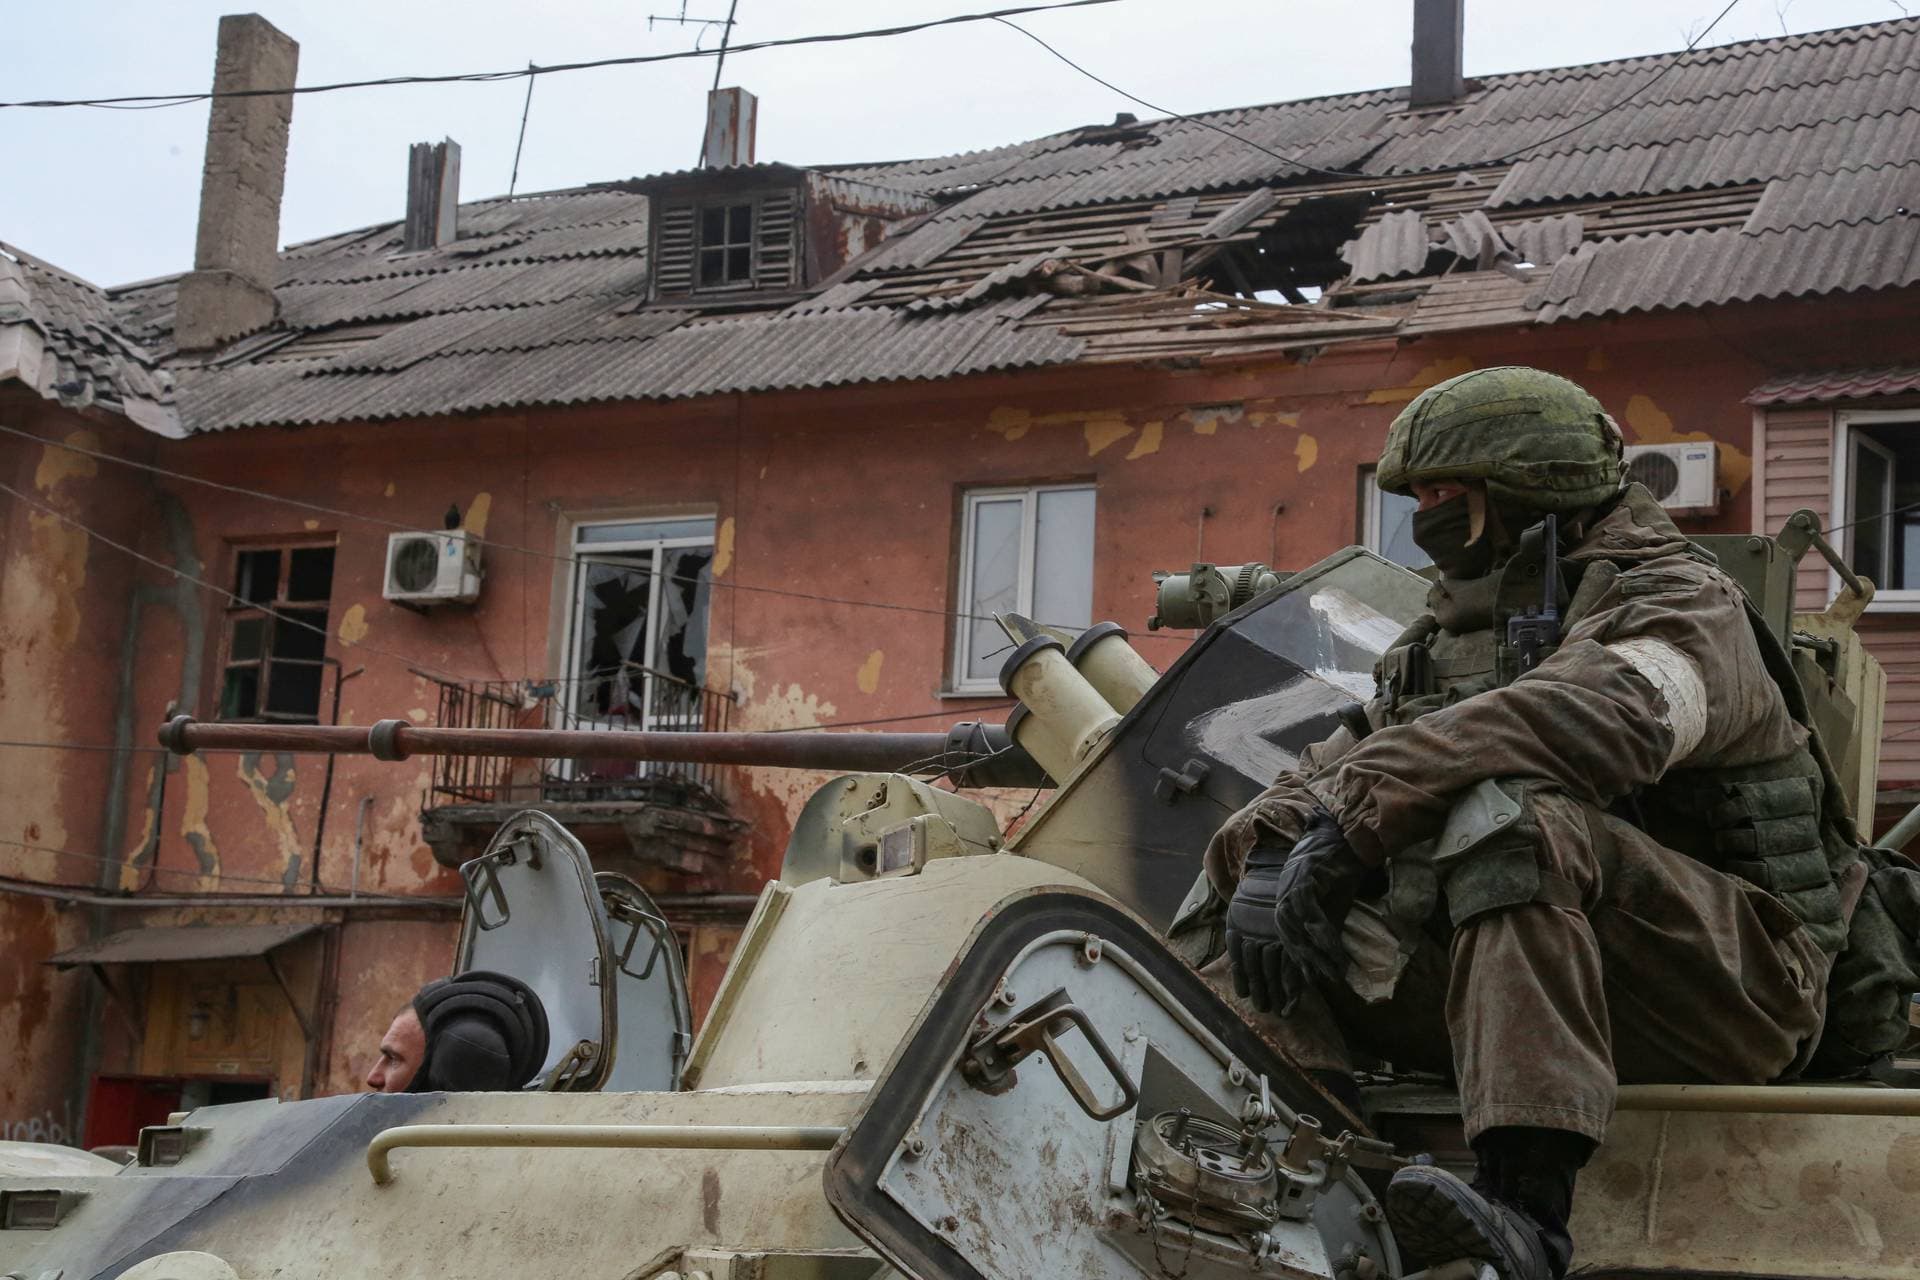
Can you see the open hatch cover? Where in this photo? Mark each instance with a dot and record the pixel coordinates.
(1074, 1100)
(595, 949)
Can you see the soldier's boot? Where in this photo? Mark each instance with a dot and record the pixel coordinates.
(1514, 1213)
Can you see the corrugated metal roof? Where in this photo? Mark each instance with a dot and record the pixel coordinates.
(1692, 164)
(1703, 268)
(93, 359)
(1838, 384)
(1397, 245)
(1761, 169)
(698, 357)
(166, 944)
(1848, 196)
(1544, 241)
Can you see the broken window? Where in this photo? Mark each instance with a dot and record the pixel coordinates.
(637, 648)
(1386, 524)
(1881, 490)
(1026, 551)
(276, 633)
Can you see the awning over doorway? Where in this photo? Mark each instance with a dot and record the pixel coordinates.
(159, 944)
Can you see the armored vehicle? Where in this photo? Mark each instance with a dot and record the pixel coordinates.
(947, 1049)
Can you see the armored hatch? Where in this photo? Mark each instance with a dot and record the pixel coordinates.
(595, 948)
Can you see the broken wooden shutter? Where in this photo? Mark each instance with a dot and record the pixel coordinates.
(776, 247)
(673, 249)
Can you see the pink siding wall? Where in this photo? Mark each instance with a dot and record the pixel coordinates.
(1894, 638)
(1796, 470)
(1795, 452)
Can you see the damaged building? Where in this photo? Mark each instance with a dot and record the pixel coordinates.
(750, 447)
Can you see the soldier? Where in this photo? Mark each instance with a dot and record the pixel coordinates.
(1614, 859)
(476, 1031)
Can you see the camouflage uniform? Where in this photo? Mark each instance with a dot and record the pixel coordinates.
(1629, 863)
(1575, 949)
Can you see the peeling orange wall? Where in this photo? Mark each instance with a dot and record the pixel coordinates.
(63, 619)
(851, 493)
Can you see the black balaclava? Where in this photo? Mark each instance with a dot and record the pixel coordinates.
(1443, 530)
(485, 1031)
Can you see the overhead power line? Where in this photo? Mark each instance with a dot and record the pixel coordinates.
(1535, 145)
(214, 588)
(1625, 99)
(488, 77)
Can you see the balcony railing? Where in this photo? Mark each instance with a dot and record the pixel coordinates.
(654, 701)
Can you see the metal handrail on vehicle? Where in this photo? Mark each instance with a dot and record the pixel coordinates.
(682, 1137)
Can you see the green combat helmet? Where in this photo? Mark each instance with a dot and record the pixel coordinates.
(1535, 438)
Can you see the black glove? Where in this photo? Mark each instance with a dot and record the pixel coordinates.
(1283, 925)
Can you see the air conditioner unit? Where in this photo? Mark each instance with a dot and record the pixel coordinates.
(432, 568)
(1683, 477)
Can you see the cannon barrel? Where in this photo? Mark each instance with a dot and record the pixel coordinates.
(981, 751)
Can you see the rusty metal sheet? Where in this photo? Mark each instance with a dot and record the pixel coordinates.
(166, 944)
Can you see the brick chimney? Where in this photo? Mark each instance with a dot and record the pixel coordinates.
(1439, 28)
(732, 115)
(433, 196)
(229, 292)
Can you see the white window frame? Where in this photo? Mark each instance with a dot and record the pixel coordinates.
(957, 681)
(584, 553)
(1839, 500)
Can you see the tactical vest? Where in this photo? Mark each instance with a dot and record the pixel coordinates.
(1766, 823)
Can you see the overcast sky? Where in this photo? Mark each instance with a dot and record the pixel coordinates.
(110, 195)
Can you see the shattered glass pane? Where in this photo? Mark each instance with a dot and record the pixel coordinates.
(994, 585)
(611, 636)
(682, 648)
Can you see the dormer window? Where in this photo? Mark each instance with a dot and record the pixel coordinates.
(726, 246)
(726, 242)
